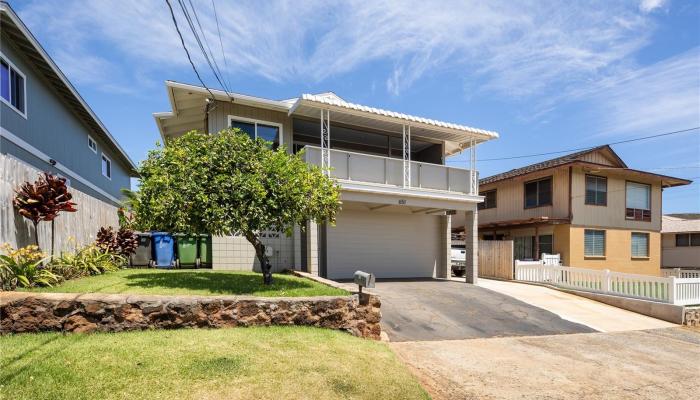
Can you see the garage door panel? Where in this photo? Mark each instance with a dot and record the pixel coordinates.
(391, 245)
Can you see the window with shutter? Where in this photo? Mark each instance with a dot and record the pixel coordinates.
(638, 201)
(640, 244)
(594, 243)
(489, 200)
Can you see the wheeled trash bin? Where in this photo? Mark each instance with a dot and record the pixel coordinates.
(186, 250)
(163, 249)
(205, 251)
(143, 255)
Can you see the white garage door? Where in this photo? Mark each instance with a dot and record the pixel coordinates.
(391, 245)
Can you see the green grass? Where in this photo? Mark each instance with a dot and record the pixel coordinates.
(194, 282)
(238, 363)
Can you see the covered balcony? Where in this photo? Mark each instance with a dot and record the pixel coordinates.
(383, 152)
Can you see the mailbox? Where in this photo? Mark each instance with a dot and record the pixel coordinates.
(364, 279)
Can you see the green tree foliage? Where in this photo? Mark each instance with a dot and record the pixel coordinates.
(226, 183)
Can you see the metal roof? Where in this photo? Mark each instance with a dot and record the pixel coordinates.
(336, 101)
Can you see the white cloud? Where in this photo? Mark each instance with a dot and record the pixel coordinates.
(661, 97)
(651, 5)
(506, 48)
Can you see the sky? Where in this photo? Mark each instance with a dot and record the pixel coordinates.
(546, 75)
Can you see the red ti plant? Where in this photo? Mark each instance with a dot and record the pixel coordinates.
(122, 242)
(43, 201)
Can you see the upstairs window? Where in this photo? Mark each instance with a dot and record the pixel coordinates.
(263, 130)
(638, 201)
(640, 244)
(12, 86)
(489, 200)
(538, 193)
(92, 145)
(687, 239)
(106, 167)
(594, 243)
(596, 190)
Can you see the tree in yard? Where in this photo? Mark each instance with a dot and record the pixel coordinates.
(227, 183)
(43, 200)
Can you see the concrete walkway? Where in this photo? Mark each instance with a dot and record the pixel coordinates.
(599, 316)
(655, 364)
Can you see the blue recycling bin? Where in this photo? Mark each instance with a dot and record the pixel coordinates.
(164, 249)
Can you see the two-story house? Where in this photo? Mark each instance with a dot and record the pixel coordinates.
(588, 206)
(398, 195)
(45, 125)
(680, 241)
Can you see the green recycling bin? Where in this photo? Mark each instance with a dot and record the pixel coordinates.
(205, 257)
(186, 250)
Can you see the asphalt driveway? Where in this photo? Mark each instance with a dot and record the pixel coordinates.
(416, 310)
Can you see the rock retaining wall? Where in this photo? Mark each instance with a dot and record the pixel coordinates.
(692, 316)
(36, 312)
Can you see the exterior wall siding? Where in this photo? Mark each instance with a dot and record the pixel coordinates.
(81, 225)
(218, 118)
(612, 215)
(678, 257)
(52, 128)
(618, 252)
(237, 254)
(510, 198)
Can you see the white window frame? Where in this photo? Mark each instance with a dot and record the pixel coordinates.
(94, 144)
(648, 237)
(256, 122)
(109, 160)
(24, 82)
(605, 244)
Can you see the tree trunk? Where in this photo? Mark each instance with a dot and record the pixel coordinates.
(262, 258)
(36, 233)
(52, 238)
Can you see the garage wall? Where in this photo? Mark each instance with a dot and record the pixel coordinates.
(390, 245)
(236, 253)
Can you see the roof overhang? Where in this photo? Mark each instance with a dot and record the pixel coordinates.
(666, 181)
(13, 26)
(457, 137)
(188, 104)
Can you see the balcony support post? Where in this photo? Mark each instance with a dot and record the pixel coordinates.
(473, 177)
(406, 156)
(326, 141)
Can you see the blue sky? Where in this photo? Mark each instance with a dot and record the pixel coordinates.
(546, 75)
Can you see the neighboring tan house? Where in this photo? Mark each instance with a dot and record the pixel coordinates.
(680, 241)
(397, 194)
(587, 206)
(45, 125)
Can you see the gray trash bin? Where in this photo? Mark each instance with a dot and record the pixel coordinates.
(143, 257)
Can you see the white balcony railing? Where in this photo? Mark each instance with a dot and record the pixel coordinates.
(367, 168)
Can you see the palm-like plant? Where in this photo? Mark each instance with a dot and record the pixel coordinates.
(43, 201)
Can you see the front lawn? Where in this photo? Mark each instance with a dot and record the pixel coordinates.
(194, 282)
(245, 363)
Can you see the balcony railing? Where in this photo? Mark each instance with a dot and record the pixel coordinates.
(367, 168)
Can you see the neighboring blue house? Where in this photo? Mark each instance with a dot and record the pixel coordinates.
(45, 125)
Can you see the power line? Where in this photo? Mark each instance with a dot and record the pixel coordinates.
(586, 148)
(221, 42)
(188, 18)
(206, 42)
(177, 28)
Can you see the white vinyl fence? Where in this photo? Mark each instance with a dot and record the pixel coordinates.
(680, 272)
(673, 290)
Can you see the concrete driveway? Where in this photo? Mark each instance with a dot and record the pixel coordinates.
(654, 364)
(446, 310)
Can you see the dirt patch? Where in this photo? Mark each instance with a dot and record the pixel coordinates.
(650, 364)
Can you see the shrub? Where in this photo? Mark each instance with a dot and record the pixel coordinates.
(23, 267)
(89, 260)
(43, 201)
(123, 242)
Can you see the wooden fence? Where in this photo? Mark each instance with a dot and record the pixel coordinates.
(496, 259)
(81, 225)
